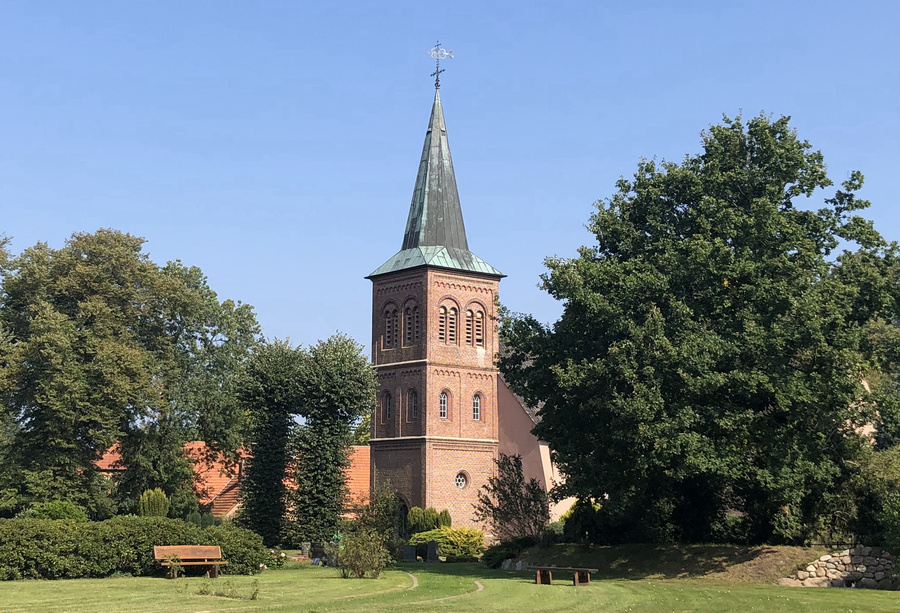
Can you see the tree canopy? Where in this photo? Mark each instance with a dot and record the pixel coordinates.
(705, 380)
(102, 346)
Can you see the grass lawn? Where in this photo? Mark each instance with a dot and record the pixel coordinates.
(440, 587)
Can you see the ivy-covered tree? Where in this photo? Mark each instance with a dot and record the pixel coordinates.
(338, 388)
(711, 352)
(271, 392)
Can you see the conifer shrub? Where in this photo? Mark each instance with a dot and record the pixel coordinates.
(444, 519)
(153, 503)
(415, 521)
(431, 519)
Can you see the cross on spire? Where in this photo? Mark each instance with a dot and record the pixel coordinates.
(438, 53)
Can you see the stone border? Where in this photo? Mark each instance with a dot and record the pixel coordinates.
(860, 567)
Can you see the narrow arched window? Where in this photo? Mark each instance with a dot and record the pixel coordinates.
(408, 326)
(413, 404)
(388, 330)
(451, 325)
(443, 405)
(416, 325)
(395, 324)
(388, 406)
(476, 407)
(470, 325)
(479, 329)
(442, 324)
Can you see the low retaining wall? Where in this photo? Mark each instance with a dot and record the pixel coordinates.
(860, 567)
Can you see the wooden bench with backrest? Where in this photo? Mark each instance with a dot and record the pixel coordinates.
(192, 555)
(543, 575)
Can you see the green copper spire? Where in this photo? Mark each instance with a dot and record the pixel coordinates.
(435, 233)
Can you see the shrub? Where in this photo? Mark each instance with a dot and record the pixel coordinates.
(56, 509)
(431, 519)
(415, 521)
(444, 519)
(453, 542)
(582, 523)
(153, 503)
(66, 549)
(495, 554)
(243, 549)
(363, 552)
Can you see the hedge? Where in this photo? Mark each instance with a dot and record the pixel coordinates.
(452, 542)
(65, 549)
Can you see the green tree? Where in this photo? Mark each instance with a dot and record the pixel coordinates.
(105, 346)
(272, 393)
(338, 388)
(513, 506)
(153, 503)
(711, 349)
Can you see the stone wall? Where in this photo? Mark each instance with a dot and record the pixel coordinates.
(860, 567)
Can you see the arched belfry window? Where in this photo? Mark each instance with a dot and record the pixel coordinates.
(470, 326)
(411, 325)
(408, 326)
(476, 407)
(391, 327)
(388, 406)
(413, 404)
(442, 324)
(451, 325)
(479, 329)
(443, 405)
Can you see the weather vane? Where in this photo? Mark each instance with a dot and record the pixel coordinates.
(438, 53)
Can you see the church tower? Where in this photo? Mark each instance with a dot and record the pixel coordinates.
(435, 428)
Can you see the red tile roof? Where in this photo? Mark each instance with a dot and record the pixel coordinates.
(218, 481)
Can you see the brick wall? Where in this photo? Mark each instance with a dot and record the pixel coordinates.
(422, 455)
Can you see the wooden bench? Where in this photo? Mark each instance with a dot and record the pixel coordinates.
(543, 575)
(192, 555)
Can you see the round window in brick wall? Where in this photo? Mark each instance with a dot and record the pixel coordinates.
(462, 481)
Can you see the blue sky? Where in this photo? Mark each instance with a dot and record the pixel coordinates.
(275, 144)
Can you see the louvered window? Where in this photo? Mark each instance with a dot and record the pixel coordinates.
(451, 326)
(408, 326)
(470, 324)
(479, 329)
(442, 325)
(416, 324)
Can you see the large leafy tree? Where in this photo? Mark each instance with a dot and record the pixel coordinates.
(104, 346)
(709, 359)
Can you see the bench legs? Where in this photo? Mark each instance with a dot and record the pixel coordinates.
(213, 572)
(543, 577)
(581, 577)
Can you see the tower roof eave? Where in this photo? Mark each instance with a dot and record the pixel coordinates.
(438, 257)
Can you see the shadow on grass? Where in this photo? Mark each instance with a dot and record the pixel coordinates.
(656, 561)
(731, 563)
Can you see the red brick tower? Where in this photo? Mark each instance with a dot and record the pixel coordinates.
(435, 431)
